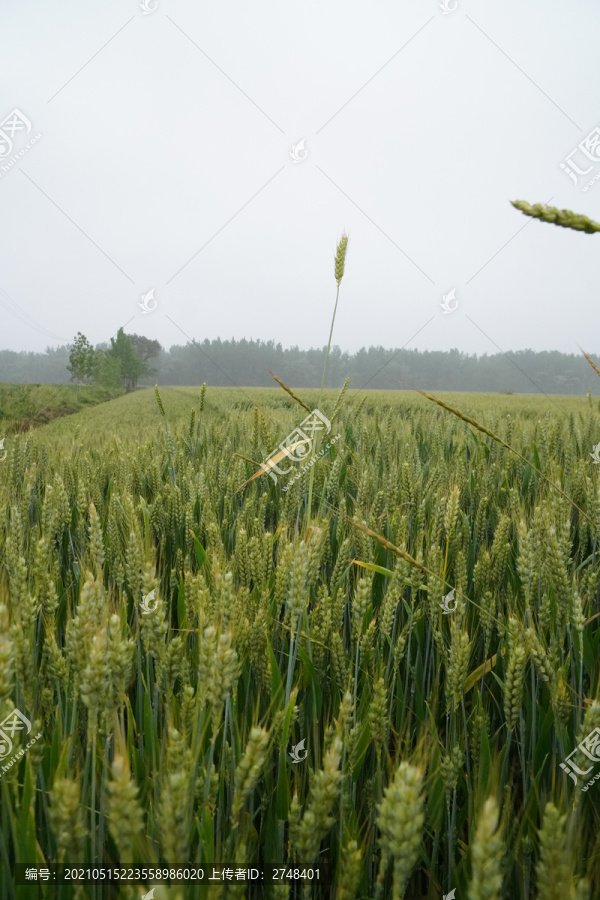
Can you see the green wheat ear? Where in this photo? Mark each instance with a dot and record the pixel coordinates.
(553, 871)
(340, 258)
(400, 820)
(486, 855)
(563, 217)
(159, 401)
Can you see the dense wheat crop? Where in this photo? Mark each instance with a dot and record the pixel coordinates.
(431, 741)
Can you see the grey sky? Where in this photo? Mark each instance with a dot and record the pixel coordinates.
(173, 144)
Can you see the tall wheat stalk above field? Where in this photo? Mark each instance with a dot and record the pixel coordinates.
(340, 265)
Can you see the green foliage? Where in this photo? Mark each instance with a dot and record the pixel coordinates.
(106, 370)
(132, 366)
(81, 359)
(25, 406)
(144, 347)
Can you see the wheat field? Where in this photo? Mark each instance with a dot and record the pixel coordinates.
(383, 680)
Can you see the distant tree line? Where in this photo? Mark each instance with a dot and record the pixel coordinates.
(134, 361)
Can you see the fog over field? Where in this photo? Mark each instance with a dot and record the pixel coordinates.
(166, 163)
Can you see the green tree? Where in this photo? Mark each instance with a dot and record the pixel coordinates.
(106, 370)
(81, 359)
(146, 350)
(132, 367)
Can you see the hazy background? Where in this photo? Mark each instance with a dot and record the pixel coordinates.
(153, 154)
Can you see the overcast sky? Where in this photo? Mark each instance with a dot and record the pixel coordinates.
(164, 164)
